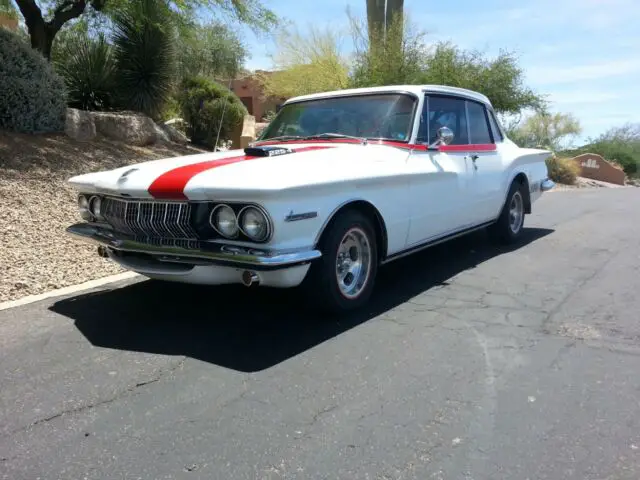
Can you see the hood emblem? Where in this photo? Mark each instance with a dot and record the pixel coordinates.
(123, 177)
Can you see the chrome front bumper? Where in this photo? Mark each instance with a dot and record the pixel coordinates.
(196, 252)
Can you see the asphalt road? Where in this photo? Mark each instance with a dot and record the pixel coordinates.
(472, 363)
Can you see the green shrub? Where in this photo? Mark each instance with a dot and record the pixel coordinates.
(562, 170)
(88, 68)
(32, 95)
(171, 109)
(144, 39)
(202, 102)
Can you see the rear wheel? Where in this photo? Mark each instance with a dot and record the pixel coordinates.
(508, 227)
(343, 278)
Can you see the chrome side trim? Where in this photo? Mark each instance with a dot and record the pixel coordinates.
(434, 242)
(547, 185)
(192, 251)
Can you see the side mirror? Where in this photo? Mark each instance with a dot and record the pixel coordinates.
(445, 135)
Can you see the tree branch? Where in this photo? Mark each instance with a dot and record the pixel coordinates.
(30, 12)
(66, 11)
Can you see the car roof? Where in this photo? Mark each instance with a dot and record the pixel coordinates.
(414, 89)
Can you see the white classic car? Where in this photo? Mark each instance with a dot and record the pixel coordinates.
(338, 184)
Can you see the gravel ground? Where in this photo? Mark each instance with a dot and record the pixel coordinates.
(583, 182)
(36, 255)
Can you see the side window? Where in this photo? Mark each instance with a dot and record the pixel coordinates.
(495, 127)
(443, 112)
(478, 126)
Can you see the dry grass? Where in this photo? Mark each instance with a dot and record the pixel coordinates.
(563, 170)
(36, 205)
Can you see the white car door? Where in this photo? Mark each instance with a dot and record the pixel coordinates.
(485, 159)
(439, 179)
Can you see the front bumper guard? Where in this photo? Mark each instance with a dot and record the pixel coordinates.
(547, 185)
(195, 252)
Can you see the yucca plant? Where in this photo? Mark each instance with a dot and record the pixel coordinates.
(144, 39)
(88, 68)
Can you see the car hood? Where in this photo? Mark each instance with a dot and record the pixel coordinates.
(201, 176)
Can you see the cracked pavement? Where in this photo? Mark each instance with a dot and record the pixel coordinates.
(472, 362)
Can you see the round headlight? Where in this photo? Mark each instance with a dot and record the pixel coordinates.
(83, 206)
(254, 224)
(94, 206)
(223, 220)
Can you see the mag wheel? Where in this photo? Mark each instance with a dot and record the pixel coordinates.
(343, 278)
(508, 227)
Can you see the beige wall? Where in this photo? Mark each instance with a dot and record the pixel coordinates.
(597, 168)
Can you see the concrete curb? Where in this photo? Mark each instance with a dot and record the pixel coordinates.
(67, 290)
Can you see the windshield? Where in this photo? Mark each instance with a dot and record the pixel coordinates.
(387, 116)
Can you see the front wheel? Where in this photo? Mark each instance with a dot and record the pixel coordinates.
(508, 227)
(343, 278)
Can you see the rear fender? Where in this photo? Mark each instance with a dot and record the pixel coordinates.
(529, 168)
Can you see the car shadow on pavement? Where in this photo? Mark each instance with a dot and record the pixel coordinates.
(253, 329)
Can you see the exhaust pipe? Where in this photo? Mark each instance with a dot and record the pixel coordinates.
(102, 251)
(250, 278)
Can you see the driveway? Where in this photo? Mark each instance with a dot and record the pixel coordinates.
(472, 362)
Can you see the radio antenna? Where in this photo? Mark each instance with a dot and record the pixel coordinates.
(224, 108)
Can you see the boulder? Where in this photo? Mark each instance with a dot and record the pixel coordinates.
(79, 125)
(173, 121)
(161, 135)
(130, 128)
(174, 134)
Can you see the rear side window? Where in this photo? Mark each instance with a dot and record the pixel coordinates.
(478, 124)
(495, 127)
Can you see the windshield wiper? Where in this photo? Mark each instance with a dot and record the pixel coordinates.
(335, 135)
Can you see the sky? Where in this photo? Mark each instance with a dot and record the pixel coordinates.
(582, 54)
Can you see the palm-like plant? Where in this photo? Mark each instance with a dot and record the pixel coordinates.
(88, 68)
(144, 39)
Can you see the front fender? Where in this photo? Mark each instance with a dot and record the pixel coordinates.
(300, 220)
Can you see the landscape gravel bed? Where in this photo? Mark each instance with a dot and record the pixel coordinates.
(36, 255)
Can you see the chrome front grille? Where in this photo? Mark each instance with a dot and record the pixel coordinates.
(149, 218)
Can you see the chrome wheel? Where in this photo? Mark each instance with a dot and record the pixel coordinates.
(353, 262)
(516, 212)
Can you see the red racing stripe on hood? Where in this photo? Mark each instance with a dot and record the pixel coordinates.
(170, 185)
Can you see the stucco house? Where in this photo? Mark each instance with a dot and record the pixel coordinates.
(249, 89)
